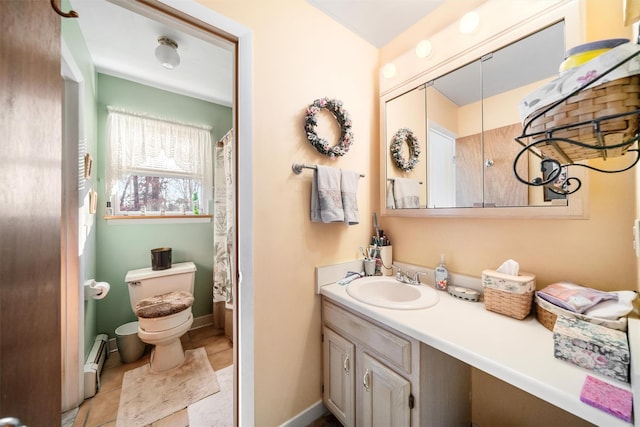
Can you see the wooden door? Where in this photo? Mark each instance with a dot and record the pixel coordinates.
(385, 396)
(501, 186)
(469, 179)
(339, 376)
(30, 218)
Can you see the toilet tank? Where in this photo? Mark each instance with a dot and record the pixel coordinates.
(146, 282)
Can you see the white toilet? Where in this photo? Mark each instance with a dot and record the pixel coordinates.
(162, 300)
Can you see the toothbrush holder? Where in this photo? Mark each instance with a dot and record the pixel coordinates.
(386, 257)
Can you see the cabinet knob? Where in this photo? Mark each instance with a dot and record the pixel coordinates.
(345, 364)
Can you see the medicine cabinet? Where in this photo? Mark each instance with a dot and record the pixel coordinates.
(465, 114)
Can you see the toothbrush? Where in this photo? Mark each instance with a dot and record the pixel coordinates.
(375, 224)
(350, 277)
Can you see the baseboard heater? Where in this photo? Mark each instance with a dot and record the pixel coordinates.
(93, 366)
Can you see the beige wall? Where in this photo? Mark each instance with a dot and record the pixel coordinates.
(300, 54)
(585, 251)
(596, 252)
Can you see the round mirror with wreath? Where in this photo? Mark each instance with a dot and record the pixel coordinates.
(336, 108)
(402, 137)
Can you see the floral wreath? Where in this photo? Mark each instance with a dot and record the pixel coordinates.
(405, 135)
(341, 115)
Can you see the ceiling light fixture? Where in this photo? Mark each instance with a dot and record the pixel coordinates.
(469, 22)
(424, 49)
(167, 53)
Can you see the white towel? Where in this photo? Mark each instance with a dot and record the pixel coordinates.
(613, 309)
(406, 193)
(349, 187)
(326, 197)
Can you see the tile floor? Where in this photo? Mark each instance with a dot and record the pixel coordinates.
(101, 410)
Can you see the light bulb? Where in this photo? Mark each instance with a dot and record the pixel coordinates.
(423, 49)
(167, 53)
(389, 71)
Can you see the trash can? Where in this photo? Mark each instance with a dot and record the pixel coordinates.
(130, 346)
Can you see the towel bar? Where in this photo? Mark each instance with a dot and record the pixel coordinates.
(297, 168)
(393, 179)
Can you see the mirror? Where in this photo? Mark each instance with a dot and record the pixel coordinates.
(465, 122)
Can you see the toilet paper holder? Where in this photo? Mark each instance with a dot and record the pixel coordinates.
(95, 290)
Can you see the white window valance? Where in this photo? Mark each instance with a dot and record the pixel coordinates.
(139, 144)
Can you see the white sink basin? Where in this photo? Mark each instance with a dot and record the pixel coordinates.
(387, 292)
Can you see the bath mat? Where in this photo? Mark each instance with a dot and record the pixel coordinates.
(147, 396)
(217, 409)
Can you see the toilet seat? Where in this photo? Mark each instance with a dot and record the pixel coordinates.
(163, 312)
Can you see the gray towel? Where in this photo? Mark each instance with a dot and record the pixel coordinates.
(349, 187)
(406, 193)
(326, 197)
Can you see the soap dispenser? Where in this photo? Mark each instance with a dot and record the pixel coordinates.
(441, 275)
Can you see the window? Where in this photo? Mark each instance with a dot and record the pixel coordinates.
(157, 165)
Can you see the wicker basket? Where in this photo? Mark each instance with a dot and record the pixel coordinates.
(614, 97)
(507, 294)
(513, 305)
(547, 313)
(544, 316)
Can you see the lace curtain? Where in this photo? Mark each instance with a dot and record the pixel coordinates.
(141, 144)
(223, 218)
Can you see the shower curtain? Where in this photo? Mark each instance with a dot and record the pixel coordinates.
(223, 217)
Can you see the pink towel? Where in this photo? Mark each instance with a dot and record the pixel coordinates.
(607, 397)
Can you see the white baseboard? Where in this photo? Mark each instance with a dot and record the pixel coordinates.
(307, 416)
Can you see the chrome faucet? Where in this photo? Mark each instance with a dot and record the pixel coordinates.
(406, 277)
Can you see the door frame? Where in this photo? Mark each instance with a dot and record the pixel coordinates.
(194, 15)
(243, 331)
(71, 293)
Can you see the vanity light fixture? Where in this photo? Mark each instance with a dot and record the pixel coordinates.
(469, 22)
(389, 70)
(424, 49)
(167, 53)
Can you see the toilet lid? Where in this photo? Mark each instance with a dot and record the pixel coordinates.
(164, 304)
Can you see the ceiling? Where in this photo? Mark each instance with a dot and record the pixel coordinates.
(377, 21)
(122, 44)
(531, 59)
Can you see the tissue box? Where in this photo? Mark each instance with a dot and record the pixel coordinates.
(594, 347)
(507, 294)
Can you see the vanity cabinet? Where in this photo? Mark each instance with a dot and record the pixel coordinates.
(375, 376)
(339, 378)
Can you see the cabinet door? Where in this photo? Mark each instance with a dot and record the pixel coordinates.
(385, 396)
(339, 376)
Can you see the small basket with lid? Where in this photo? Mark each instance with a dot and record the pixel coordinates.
(508, 294)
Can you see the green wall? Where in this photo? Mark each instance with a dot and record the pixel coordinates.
(87, 260)
(121, 248)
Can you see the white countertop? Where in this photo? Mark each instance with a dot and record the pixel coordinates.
(519, 352)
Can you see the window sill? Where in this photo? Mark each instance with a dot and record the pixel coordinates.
(156, 219)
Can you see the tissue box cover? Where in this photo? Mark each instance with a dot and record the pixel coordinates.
(592, 347)
(521, 284)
